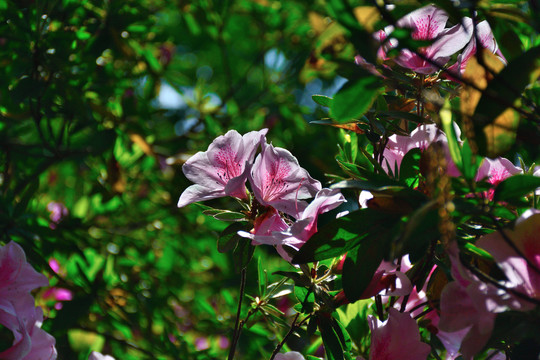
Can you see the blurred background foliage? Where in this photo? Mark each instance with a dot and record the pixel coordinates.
(101, 103)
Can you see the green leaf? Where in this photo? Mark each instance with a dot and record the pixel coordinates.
(388, 115)
(353, 318)
(262, 278)
(322, 100)
(471, 162)
(448, 126)
(478, 251)
(355, 97)
(243, 254)
(229, 237)
(419, 231)
(306, 297)
(343, 234)
(515, 187)
(360, 266)
(335, 338)
(410, 167)
(361, 39)
(230, 216)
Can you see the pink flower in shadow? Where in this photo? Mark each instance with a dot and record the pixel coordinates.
(420, 138)
(397, 338)
(483, 34)
(429, 23)
(495, 171)
(522, 267)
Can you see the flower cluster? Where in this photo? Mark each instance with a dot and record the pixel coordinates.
(468, 305)
(17, 310)
(430, 24)
(279, 187)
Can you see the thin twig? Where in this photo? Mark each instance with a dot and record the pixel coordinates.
(489, 279)
(294, 326)
(236, 333)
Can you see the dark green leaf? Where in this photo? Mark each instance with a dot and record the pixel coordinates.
(401, 115)
(230, 216)
(355, 97)
(262, 278)
(229, 237)
(306, 297)
(322, 100)
(335, 338)
(516, 187)
(343, 234)
(243, 253)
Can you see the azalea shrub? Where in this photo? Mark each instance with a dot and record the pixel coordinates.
(270, 180)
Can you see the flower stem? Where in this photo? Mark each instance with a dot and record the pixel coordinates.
(291, 330)
(237, 328)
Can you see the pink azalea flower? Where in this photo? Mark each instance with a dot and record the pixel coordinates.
(277, 180)
(495, 171)
(380, 36)
(464, 309)
(450, 340)
(428, 23)
(57, 294)
(221, 170)
(420, 138)
(487, 41)
(397, 338)
(17, 277)
(291, 355)
(387, 281)
(522, 276)
(202, 343)
(94, 355)
(469, 306)
(30, 341)
(57, 212)
(275, 231)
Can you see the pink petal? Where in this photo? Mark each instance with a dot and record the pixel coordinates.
(221, 170)
(277, 180)
(427, 22)
(16, 275)
(520, 275)
(397, 338)
(496, 170)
